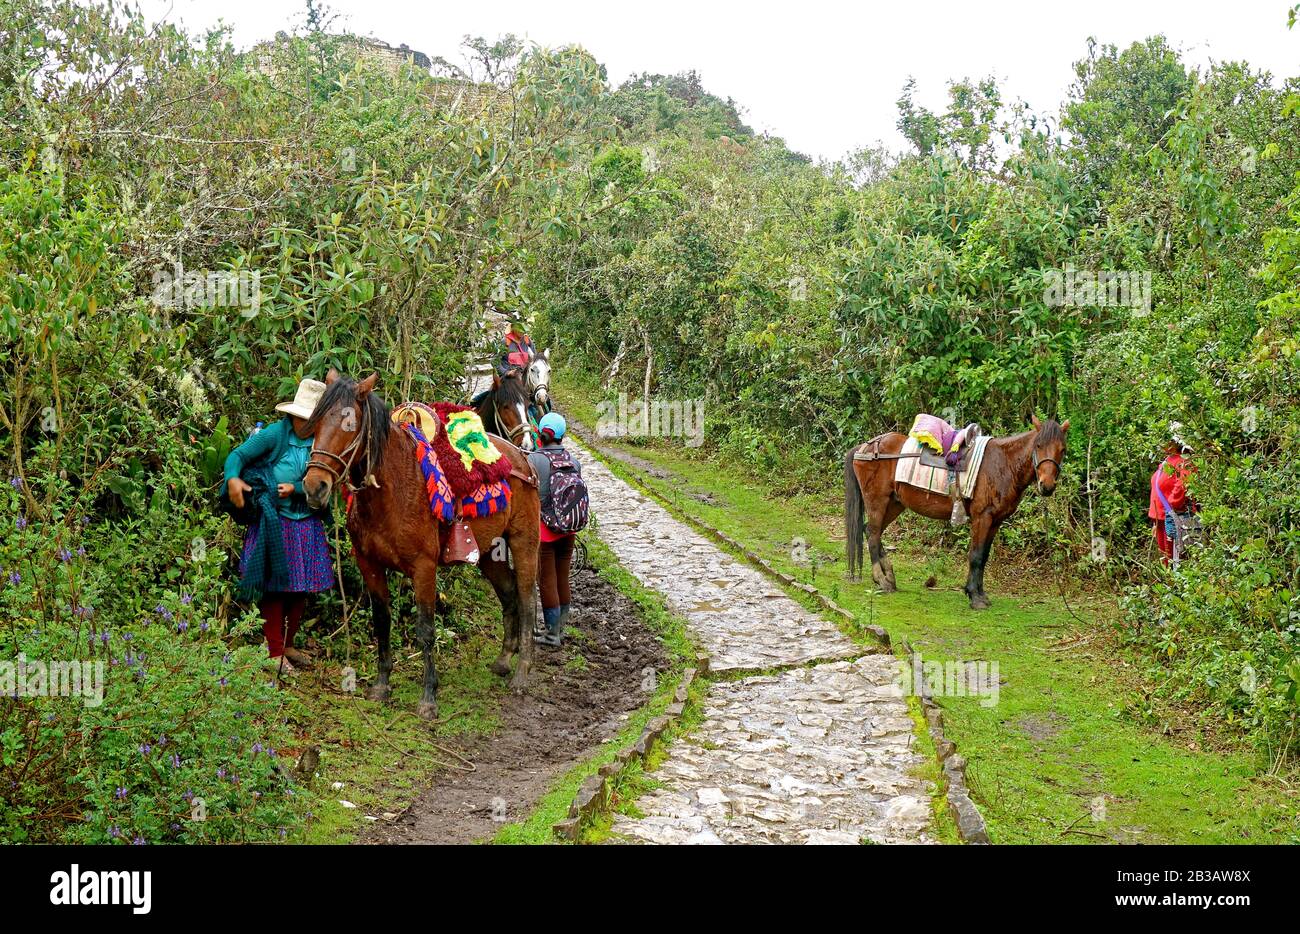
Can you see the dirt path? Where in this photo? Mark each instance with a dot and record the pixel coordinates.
(818, 748)
(579, 696)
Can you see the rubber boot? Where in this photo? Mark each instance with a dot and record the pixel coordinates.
(554, 634)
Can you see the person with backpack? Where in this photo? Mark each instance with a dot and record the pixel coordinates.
(286, 552)
(564, 514)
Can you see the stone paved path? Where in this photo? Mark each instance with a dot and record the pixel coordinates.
(822, 751)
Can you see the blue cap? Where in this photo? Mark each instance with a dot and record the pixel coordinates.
(552, 426)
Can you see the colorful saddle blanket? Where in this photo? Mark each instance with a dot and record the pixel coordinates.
(914, 472)
(457, 459)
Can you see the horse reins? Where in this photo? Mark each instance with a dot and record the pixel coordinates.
(348, 458)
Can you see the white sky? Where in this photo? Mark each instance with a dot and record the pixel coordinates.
(823, 75)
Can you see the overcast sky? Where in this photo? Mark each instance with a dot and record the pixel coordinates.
(823, 75)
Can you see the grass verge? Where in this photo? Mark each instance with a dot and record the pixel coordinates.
(1058, 758)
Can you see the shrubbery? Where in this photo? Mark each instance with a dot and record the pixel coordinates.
(815, 306)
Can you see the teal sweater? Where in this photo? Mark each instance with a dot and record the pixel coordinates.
(287, 461)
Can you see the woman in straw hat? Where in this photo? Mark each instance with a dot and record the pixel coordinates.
(275, 459)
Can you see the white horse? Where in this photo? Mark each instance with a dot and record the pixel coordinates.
(539, 380)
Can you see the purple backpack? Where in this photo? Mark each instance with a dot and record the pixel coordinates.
(565, 512)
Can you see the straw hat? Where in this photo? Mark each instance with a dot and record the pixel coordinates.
(304, 400)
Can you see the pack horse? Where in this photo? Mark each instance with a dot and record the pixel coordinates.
(394, 527)
(986, 480)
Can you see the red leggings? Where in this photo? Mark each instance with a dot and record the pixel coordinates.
(281, 614)
(553, 571)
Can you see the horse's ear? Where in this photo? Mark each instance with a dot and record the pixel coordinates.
(1065, 426)
(366, 385)
(546, 355)
(1037, 423)
(331, 376)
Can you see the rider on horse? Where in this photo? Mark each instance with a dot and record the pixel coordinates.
(519, 357)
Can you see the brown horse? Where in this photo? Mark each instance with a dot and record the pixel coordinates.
(393, 529)
(504, 409)
(1010, 464)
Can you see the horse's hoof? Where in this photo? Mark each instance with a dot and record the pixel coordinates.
(980, 602)
(378, 692)
(519, 683)
(500, 667)
(427, 710)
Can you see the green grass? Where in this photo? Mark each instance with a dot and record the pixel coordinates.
(385, 755)
(1061, 736)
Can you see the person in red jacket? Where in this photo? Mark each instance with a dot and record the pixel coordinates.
(1169, 493)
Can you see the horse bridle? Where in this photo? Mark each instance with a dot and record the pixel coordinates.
(1045, 460)
(511, 433)
(347, 459)
(538, 388)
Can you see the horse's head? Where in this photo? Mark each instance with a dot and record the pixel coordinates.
(349, 430)
(539, 378)
(509, 398)
(1049, 450)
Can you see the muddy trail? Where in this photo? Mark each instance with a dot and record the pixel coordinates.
(580, 696)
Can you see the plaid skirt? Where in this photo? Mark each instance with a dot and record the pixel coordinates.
(306, 549)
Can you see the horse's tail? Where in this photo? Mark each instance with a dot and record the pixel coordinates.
(854, 523)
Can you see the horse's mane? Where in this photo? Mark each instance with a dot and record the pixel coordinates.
(343, 391)
(511, 390)
(1051, 431)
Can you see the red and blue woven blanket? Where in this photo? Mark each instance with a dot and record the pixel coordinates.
(482, 500)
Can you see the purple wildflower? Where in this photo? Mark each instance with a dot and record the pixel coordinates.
(16, 482)
(21, 523)
(120, 793)
(187, 598)
(15, 578)
(114, 832)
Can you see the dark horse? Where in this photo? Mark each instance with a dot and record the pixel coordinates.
(504, 409)
(393, 529)
(1010, 464)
